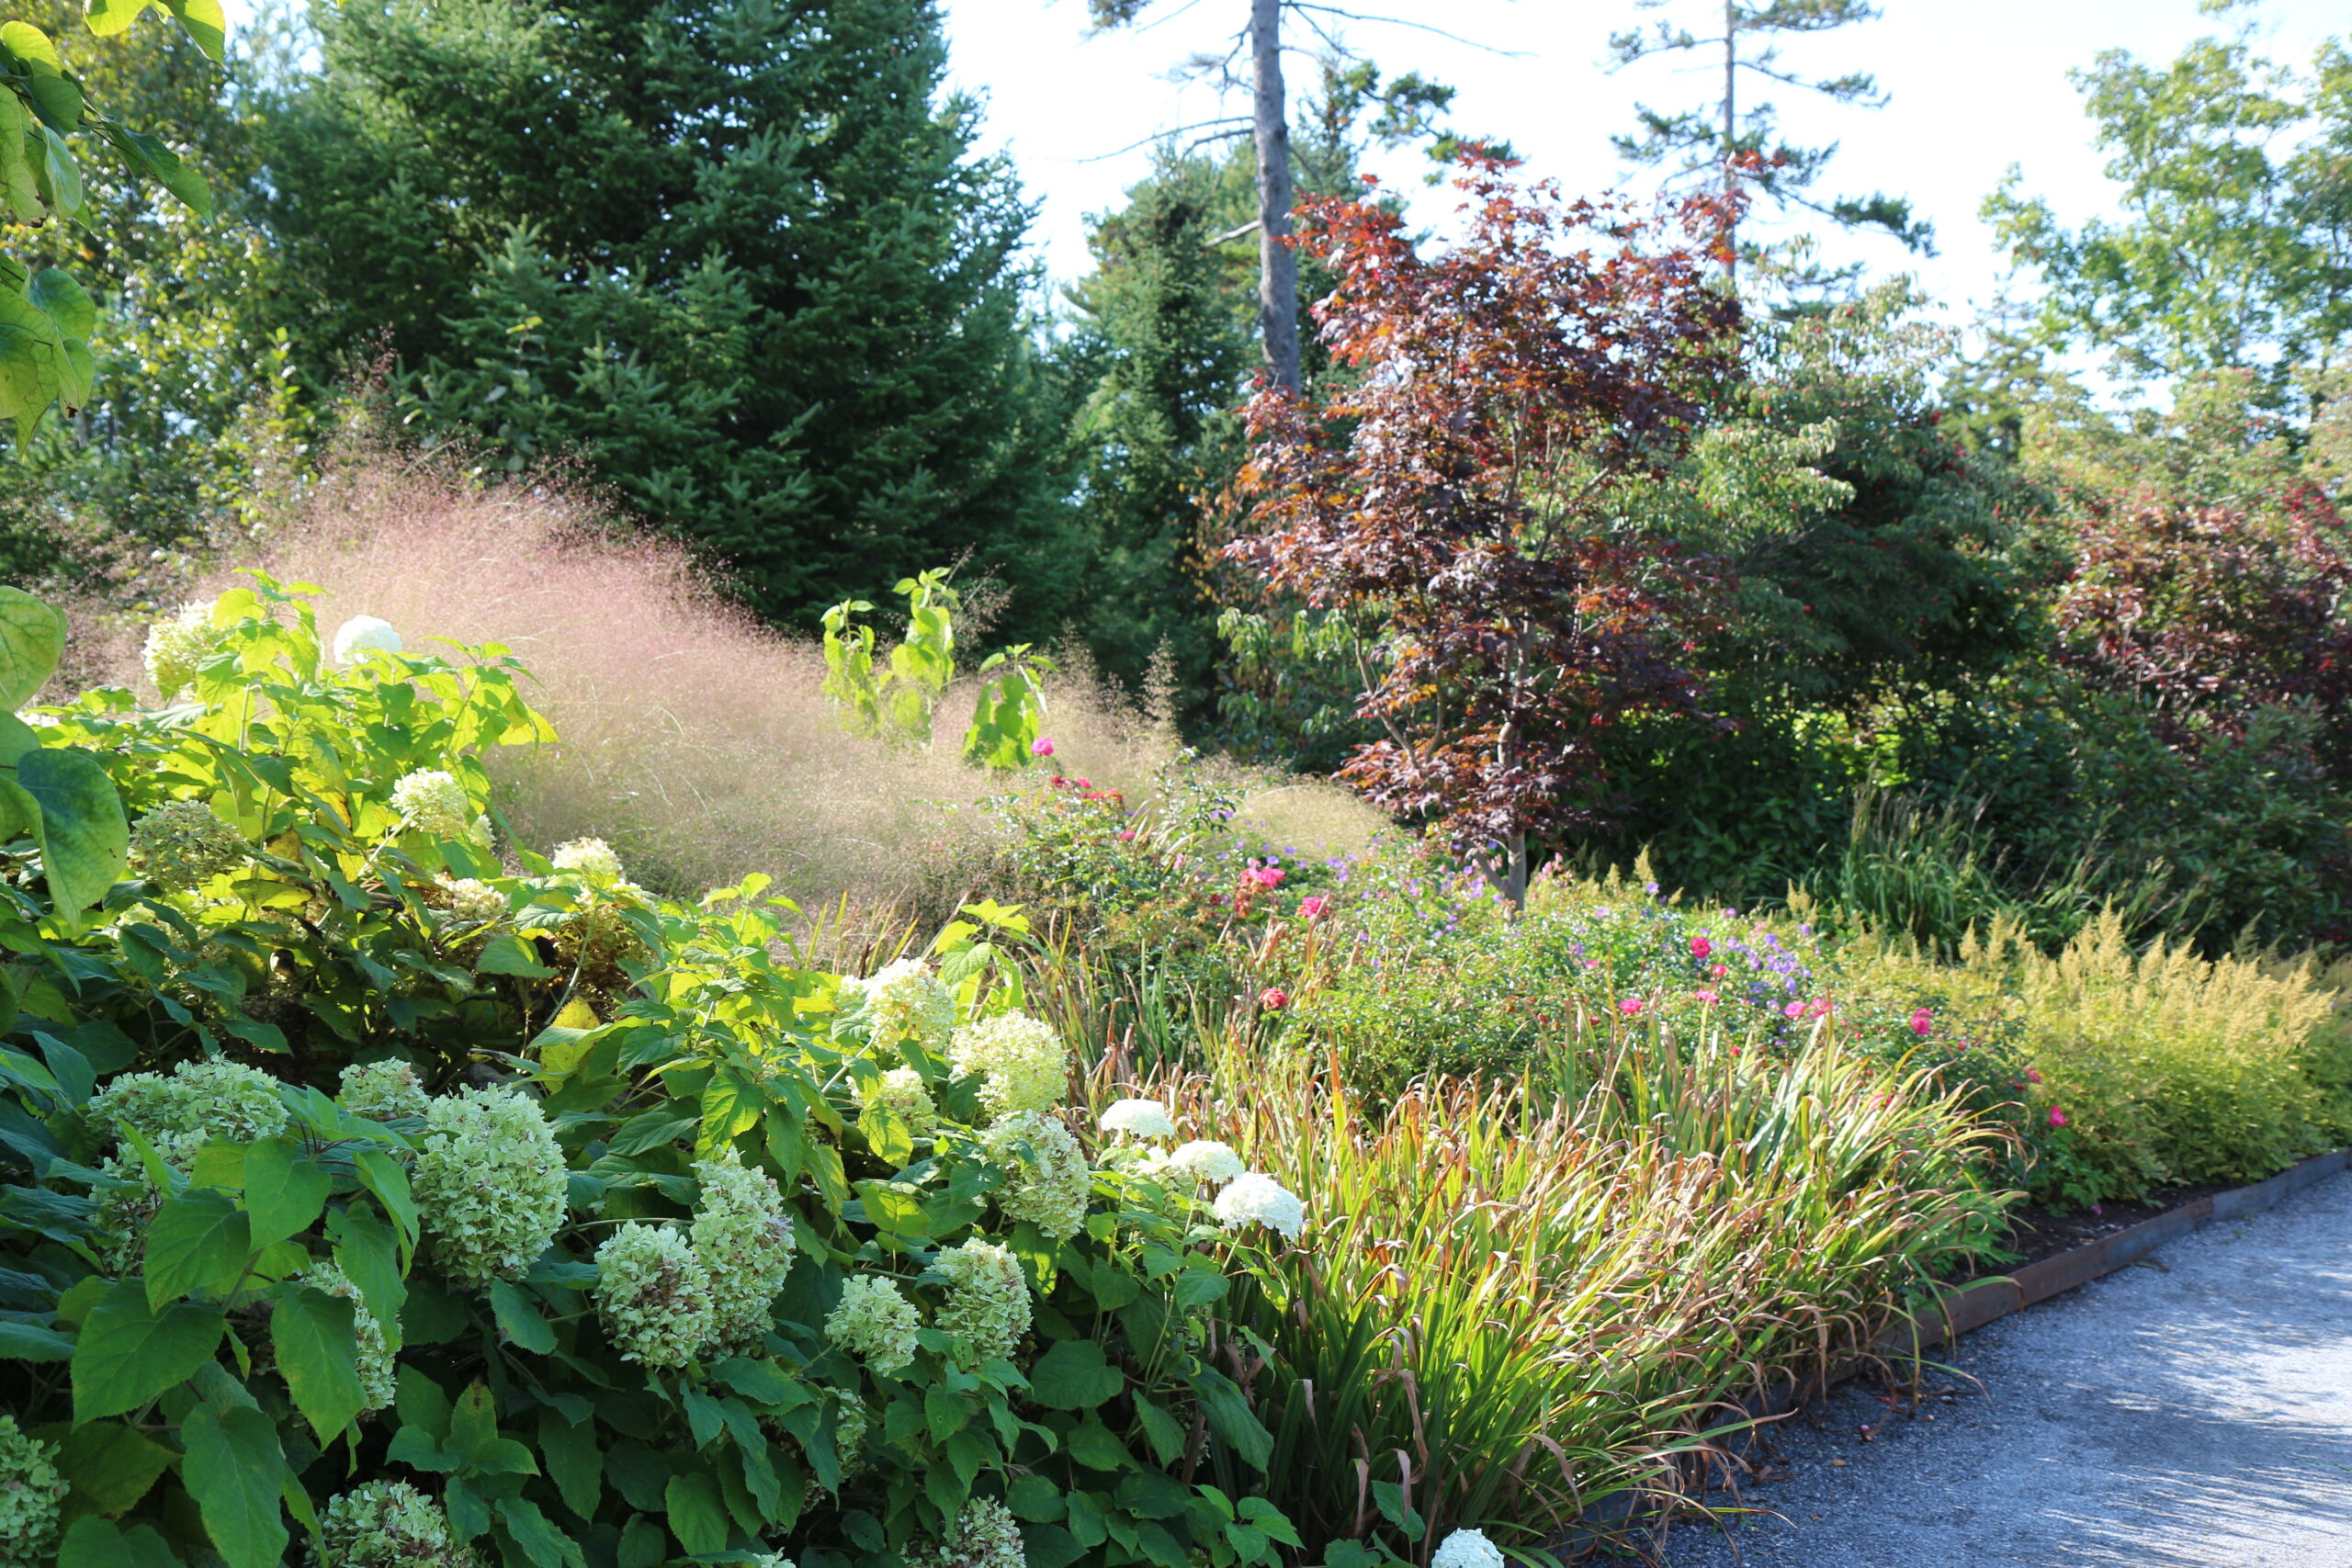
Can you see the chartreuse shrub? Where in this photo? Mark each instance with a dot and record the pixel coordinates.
(373, 1192)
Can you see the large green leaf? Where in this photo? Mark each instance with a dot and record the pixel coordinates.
(198, 1240)
(567, 1452)
(369, 1258)
(235, 1470)
(100, 1543)
(204, 22)
(318, 1352)
(1074, 1376)
(32, 639)
(85, 839)
(696, 1516)
(55, 97)
(108, 17)
(285, 1188)
(129, 1353)
(30, 1342)
(148, 155)
(112, 1466)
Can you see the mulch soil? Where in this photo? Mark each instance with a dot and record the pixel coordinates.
(2035, 1232)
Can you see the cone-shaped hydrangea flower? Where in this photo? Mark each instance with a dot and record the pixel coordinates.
(387, 1524)
(875, 1321)
(182, 844)
(988, 1300)
(654, 1294)
(1257, 1200)
(1020, 1061)
(383, 1091)
(1139, 1119)
(589, 857)
(361, 635)
(904, 1004)
(222, 1099)
(1050, 1181)
(376, 1368)
(490, 1184)
(742, 1233)
(31, 1491)
(432, 802)
(901, 1089)
(1467, 1549)
(177, 644)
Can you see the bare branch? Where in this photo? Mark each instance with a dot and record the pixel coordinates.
(1163, 136)
(1304, 5)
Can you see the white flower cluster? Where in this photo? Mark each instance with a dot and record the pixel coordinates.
(901, 1089)
(489, 1182)
(472, 901)
(387, 1524)
(1050, 1181)
(986, 1536)
(432, 802)
(772, 1560)
(177, 644)
(376, 1368)
(1202, 1162)
(743, 1235)
(591, 858)
(1020, 1061)
(988, 1300)
(1138, 1118)
(361, 635)
(1467, 1549)
(383, 1091)
(851, 1424)
(182, 844)
(1249, 1198)
(875, 1321)
(223, 1099)
(904, 1003)
(31, 1491)
(654, 1295)
(1255, 1198)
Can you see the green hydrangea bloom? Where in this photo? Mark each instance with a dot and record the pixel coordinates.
(903, 1004)
(125, 1200)
(384, 1091)
(986, 1536)
(590, 858)
(742, 1233)
(473, 901)
(182, 844)
(901, 1089)
(432, 802)
(488, 1183)
(177, 644)
(376, 1361)
(389, 1524)
(876, 1321)
(1051, 1182)
(654, 1295)
(988, 1300)
(31, 1491)
(223, 1099)
(1020, 1061)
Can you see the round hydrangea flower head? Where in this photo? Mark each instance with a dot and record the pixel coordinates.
(1051, 1182)
(376, 1368)
(904, 1004)
(902, 1089)
(654, 1295)
(1203, 1161)
(1257, 1200)
(988, 1300)
(432, 802)
(361, 635)
(219, 1099)
(875, 1321)
(589, 857)
(1020, 1061)
(125, 1203)
(489, 1182)
(383, 1091)
(986, 1536)
(772, 1560)
(182, 844)
(1467, 1549)
(472, 901)
(31, 1491)
(387, 1524)
(743, 1235)
(177, 644)
(1139, 1119)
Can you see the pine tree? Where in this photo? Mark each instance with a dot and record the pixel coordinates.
(738, 254)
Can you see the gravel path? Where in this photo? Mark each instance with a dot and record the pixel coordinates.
(2192, 1411)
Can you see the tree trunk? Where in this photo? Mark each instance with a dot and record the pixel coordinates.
(1731, 128)
(1277, 266)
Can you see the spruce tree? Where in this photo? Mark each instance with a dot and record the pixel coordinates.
(739, 255)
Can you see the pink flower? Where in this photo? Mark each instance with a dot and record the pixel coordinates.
(1700, 947)
(1707, 998)
(1794, 1009)
(1816, 1007)
(1720, 970)
(2057, 1117)
(1126, 834)
(2032, 1077)
(1312, 908)
(1630, 1006)
(1041, 747)
(1264, 876)
(1921, 1021)
(1273, 998)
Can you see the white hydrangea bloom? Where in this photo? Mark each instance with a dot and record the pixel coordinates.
(772, 1560)
(1204, 1160)
(1050, 1183)
(383, 1091)
(484, 832)
(986, 1536)
(742, 1233)
(876, 1321)
(432, 802)
(387, 1524)
(988, 1299)
(904, 1004)
(1258, 1200)
(376, 1368)
(31, 1491)
(184, 843)
(222, 1099)
(902, 1089)
(590, 858)
(1467, 1549)
(125, 1203)
(654, 1295)
(361, 635)
(177, 644)
(1020, 1061)
(1139, 1119)
(488, 1183)
(474, 901)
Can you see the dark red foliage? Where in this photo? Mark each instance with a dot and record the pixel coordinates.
(1455, 484)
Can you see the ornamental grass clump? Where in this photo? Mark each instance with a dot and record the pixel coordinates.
(490, 1183)
(654, 1295)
